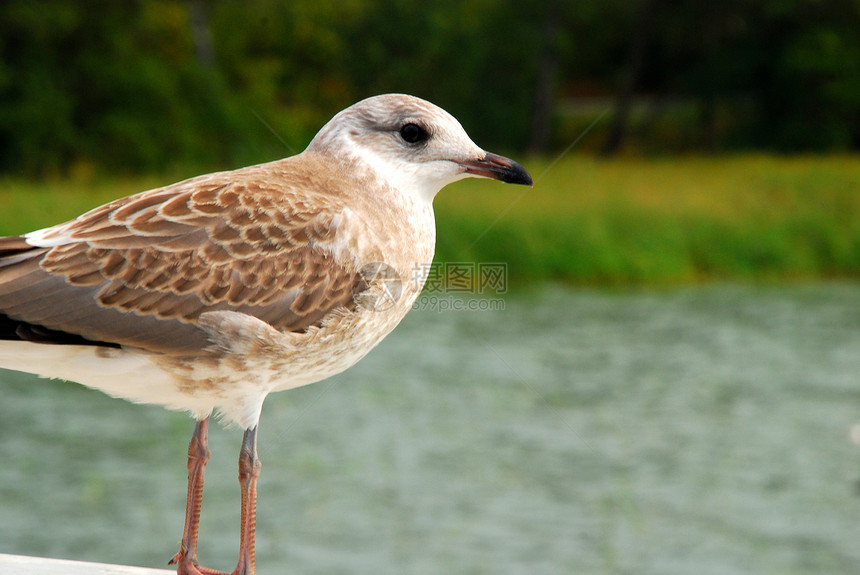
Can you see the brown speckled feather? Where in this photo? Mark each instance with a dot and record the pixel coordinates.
(218, 242)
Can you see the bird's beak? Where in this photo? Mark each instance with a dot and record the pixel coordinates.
(498, 168)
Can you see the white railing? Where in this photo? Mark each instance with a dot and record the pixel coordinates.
(22, 565)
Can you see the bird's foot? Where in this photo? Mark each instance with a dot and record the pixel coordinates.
(188, 566)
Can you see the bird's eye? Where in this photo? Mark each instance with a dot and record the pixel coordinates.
(413, 133)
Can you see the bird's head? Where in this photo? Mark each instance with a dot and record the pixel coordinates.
(414, 145)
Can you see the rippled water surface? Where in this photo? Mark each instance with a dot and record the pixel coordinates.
(700, 431)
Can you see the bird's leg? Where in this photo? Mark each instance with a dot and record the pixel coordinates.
(249, 471)
(198, 455)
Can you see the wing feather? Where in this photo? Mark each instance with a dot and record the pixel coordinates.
(139, 271)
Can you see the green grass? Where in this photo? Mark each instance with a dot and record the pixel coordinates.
(617, 223)
(663, 222)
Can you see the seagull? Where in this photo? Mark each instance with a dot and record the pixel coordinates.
(208, 294)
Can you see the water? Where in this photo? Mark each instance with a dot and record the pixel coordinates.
(701, 431)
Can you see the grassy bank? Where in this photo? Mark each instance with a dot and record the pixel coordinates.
(621, 222)
(663, 222)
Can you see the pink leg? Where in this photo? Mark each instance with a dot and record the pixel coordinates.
(249, 470)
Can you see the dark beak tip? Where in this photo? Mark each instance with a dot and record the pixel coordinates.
(519, 175)
(500, 168)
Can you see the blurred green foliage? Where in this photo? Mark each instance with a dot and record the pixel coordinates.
(662, 222)
(143, 86)
(588, 221)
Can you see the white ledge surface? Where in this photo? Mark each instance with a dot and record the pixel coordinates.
(21, 565)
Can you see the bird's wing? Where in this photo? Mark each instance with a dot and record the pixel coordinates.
(139, 271)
